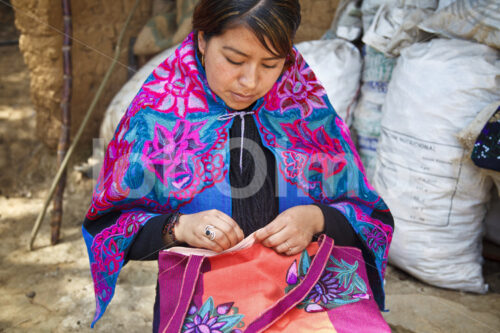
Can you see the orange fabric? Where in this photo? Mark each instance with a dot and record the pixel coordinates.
(257, 287)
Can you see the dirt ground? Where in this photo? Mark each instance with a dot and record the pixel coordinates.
(50, 289)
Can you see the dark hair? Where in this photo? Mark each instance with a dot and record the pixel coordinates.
(276, 21)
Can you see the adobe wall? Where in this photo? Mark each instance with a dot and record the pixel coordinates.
(317, 15)
(96, 25)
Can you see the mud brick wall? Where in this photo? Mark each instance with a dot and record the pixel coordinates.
(317, 15)
(96, 25)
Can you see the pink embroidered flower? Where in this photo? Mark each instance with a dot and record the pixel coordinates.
(344, 131)
(110, 186)
(132, 224)
(298, 88)
(211, 167)
(326, 153)
(176, 90)
(169, 153)
(294, 163)
(114, 257)
(101, 288)
(139, 102)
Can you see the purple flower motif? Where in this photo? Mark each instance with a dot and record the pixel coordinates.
(325, 290)
(192, 310)
(292, 274)
(361, 296)
(224, 308)
(206, 324)
(313, 307)
(374, 238)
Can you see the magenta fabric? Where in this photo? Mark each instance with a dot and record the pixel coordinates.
(181, 278)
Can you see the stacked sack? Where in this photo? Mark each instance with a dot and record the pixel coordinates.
(436, 194)
(377, 71)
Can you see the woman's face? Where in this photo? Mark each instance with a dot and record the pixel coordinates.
(239, 68)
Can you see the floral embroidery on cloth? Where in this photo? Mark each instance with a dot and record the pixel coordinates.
(339, 284)
(223, 318)
(168, 154)
(174, 88)
(299, 89)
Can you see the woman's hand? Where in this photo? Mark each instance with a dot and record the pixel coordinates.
(191, 230)
(292, 230)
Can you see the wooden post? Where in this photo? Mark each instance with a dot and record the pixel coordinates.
(41, 215)
(64, 139)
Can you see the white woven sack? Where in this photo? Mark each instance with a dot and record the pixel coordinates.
(436, 194)
(337, 65)
(395, 27)
(366, 123)
(477, 20)
(124, 97)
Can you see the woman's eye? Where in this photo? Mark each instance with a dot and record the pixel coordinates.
(269, 66)
(233, 62)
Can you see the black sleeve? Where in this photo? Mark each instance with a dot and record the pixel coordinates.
(146, 243)
(338, 228)
(149, 240)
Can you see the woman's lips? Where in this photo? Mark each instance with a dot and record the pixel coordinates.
(243, 98)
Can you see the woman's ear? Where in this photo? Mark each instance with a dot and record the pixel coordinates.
(202, 43)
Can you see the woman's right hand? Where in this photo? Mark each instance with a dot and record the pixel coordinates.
(190, 229)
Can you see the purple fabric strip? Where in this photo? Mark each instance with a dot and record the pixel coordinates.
(188, 287)
(294, 297)
(171, 268)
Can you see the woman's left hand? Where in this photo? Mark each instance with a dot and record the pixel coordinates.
(292, 230)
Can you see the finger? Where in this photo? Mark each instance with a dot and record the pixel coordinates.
(233, 224)
(272, 228)
(277, 238)
(291, 252)
(228, 230)
(283, 248)
(218, 226)
(208, 244)
(220, 237)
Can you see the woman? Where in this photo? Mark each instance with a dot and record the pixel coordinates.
(171, 174)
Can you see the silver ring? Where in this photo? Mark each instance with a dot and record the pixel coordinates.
(209, 233)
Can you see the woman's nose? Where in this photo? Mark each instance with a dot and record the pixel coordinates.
(249, 77)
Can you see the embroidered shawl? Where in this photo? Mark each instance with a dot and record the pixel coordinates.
(170, 152)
